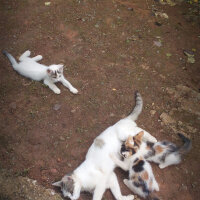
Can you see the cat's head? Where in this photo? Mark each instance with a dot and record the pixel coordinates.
(66, 184)
(132, 145)
(127, 152)
(55, 72)
(138, 139)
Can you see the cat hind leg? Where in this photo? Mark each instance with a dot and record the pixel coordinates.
(37, 58)
(115, 189)
(25, 55)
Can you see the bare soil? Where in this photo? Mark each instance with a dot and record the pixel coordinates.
(109, 52)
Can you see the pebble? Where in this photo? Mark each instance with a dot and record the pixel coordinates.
(53, 171)
(153, 112)
(57, 107)
(62, 138)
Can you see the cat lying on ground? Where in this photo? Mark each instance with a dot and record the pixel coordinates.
(141, 178)
(163, 153)
(96, 173)
(30, 68)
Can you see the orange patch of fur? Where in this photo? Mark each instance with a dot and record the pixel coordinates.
(138, 137)
(145, 175)
(129, 142)
(159, 149)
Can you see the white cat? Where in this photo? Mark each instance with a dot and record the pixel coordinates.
(96, 173)
(30, 68)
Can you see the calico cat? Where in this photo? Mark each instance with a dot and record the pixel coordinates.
(141, 178)
(30, 68)
(163, 153)
(96, 173)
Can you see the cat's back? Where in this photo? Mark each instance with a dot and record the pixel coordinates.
(31, 69)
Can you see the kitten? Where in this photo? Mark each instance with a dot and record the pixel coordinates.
(141, 178)
(163, 153)
(96, 173)
(30, 68)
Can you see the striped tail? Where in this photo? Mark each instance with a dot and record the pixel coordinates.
(10, 57)
(138, 106)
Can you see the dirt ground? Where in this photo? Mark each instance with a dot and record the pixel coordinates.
(110, 49)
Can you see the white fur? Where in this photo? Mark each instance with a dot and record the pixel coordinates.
(30, 68)
(96, 173)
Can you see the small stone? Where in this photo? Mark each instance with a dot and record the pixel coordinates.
(166, 119)
(73, 110)
(61, 138)
(157, 43)
(53, 171)
(57, 107)
(112, 115)
(152, 112)
(59, 160)
(69, 165)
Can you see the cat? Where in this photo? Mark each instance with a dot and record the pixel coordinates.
(30, 68)
(141, 178)
(96, 173)
(164, 153)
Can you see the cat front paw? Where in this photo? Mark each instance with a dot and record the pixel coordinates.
(129, 197)
(74, 90)
(162, 166)
(153, 139)
(57, 91)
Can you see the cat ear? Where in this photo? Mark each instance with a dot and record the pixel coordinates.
(129, 142)
(57, 184)
(49, 71)
(60, 66)
(140, 135)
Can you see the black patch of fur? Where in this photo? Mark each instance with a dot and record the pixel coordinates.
(150, 144)
(123, 148)
(150, 153)
(165, 143)
(139, 166)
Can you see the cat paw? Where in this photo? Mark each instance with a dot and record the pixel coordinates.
(162, 166)
(57, 91)
(39, 57)
(125, 181)
(27, 53)
(129, 197)
(74, 90)
(153, 139)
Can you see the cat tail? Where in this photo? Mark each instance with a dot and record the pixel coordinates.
(186, 146)
(10, 57)
(138, 106)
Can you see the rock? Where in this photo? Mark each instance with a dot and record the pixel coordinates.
(189, 99)
(57, 107)
(53, 171)
(61, 138)
(152, 112)
(166, 119)
(157, 43)
(112, 115)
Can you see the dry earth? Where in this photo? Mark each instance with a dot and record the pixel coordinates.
(110, 49)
